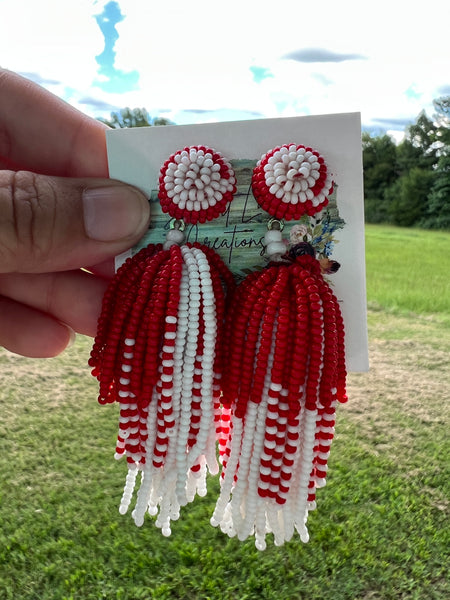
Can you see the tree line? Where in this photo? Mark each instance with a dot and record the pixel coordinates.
(405, 184)
(408, 184)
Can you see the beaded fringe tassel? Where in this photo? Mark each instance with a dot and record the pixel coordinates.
(283, 379)
(157, 353)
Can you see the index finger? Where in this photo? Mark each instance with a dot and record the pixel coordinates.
(41, 133)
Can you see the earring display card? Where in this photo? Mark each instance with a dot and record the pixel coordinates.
(136, 156)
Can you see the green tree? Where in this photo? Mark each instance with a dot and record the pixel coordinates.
(438, 209)
(380, 172)
(410, 155)
(442, 118)
(133, 117)
(407, 197)
(409, 184)
(423, 135)
(422, 184)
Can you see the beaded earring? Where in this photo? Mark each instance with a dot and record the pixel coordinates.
(285, 371)
(158, 349)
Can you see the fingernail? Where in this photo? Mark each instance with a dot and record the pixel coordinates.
(114, 213)
(72, 338)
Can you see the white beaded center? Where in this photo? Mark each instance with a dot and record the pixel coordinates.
(290, 173)
(193, 180)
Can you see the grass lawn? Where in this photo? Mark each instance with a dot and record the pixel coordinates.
(381, 528)
(408, 270)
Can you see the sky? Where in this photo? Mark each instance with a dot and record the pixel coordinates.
(208, 61)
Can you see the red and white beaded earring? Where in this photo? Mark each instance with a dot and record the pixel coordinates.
(158, 349)
(285, 371)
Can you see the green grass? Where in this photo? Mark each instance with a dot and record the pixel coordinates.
(408, 269)
(381, 528)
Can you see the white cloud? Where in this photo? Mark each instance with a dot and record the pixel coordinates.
(197, 55)
(55, 39)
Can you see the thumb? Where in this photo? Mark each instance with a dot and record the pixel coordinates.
(56, 224)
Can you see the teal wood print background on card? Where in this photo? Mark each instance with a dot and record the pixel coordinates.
(238, 235)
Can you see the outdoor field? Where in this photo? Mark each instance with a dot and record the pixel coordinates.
(381, 530)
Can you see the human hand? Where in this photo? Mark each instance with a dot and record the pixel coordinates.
(58, 213)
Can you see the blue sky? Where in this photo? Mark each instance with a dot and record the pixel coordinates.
(115, 79)
(204, 61)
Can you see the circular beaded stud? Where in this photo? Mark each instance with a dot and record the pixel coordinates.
(196, 184)
(290, 181)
